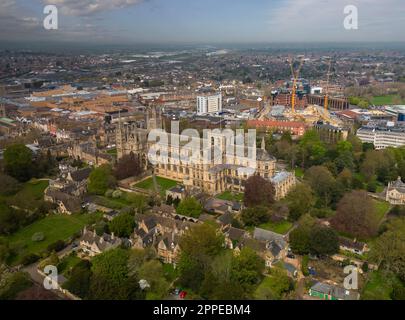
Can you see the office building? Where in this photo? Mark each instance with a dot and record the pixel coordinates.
(209, 104)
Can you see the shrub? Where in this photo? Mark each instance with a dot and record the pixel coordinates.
(56, 246)
(117, 194)
(109, 193)
(29, 259)
(38, 237)
(304, 266)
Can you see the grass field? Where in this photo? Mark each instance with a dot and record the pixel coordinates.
(112, 152)
(163, 183)
(382, 209)
(54, 227)
(378, 287)
(385, 100)
(299, 173)
(67, 263)
(30, 196)
(279, 227)
(231, 196)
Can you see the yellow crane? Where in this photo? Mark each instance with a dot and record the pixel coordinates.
(326, 100)
(295, 75)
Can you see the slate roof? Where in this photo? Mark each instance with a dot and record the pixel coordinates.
(266, 235)
(337, 292)
(71, 203)
(81, 174)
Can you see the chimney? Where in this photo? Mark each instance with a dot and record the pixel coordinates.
(263, 144)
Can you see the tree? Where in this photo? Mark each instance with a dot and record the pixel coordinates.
(312, 149)
(122, 225)
(152, 272)
(300, 236)
(8, 185)
(322, 182)
(255, 216)
(199, 246)
(101, 180)
(258, 192)
(248, 268)
(138, 201)
(9, 220)
(110, 279)
(300, 201)
(12, 283)
(356, 215)
(5, 251)
(18, 162)
(79, 279)
(275, 286)
(389, 249)
(127, 166)
(189, 207)
(323, 241)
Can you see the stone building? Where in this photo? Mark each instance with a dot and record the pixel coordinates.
(218, 172)
(396, 192)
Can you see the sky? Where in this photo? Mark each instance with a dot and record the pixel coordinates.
(202, 21)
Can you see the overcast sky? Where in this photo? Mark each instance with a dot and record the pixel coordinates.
(202, 21)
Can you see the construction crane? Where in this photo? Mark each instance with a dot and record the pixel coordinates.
(295, 76)
(326, 100)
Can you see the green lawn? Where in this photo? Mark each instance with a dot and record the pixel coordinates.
(163, 183)
(54, 227)
(299, 173)
(385, 100)
(279, 227)
(116, 204)
(30, 196)
(67, 263)
(112, 152)
(382, 208)
(378, 287)
(231, 196)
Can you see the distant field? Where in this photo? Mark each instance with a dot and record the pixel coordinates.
(54, 227)
(278, 227)
(230, 196)
(385, 100)
(163, 183)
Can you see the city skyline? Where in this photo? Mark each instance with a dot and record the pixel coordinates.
(209, 21)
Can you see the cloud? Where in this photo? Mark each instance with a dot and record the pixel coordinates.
(322, 20)
(89, 7)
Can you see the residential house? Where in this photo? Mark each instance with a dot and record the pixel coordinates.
(92, 244)
(162, 233)
(218, 206)
(234, 236)
(327, 291)
(176, 192)
(66, 203)
(396, 192)
(353, 246)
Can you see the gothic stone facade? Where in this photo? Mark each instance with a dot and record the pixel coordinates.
(223, 171)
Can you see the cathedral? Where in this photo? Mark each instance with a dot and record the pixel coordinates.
(223, 171)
